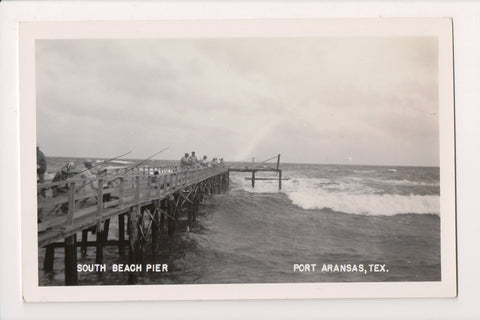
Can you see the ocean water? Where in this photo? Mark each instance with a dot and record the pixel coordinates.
(331, 216)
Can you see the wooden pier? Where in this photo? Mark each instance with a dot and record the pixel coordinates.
(152, 199)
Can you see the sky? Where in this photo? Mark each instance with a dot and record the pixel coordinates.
(334, 100)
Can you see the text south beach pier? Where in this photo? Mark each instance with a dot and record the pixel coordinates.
(121, 267)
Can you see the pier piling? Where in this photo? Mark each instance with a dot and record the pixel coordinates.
(49, 258)
(71, 277)
(121, 234)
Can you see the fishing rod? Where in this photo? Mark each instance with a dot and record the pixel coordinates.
(102, 163)
(143, 161)
(269, 159)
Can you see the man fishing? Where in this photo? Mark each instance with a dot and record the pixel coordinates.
(65, 172)
(88, 175)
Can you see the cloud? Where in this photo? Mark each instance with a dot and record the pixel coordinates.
(311, 99)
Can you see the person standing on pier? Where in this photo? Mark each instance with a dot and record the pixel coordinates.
(193, 160)
(184, 163)
(41, 168)
(65, 172)
(88, 175)
(41, 165)
(204, 162)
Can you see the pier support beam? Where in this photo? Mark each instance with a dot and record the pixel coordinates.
(133, 243)
(99, 240)
(163, 208)
(121, 235)
(71, 276)
(106, 228)
(196, 203)
(191, 209)
(49, 259)
(99, 228)
(172, 213)
(83, 248)
(156, 226)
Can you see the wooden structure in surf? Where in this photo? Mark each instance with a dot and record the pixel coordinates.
(263, 168)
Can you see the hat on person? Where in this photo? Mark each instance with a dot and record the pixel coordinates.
(68, 166)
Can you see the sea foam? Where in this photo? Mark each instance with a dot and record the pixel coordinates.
(366, 204)
(350, 196)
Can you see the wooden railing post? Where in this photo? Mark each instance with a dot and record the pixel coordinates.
(121, 200)
(71, 203)
(149, 187)
(170, 176)
(137, 193)
(159, 184)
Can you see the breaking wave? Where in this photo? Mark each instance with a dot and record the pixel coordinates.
(347, 196)
(366, 204)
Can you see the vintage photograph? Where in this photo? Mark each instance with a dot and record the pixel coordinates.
(240, 160)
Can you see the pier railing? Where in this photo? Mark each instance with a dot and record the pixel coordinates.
(84, 202)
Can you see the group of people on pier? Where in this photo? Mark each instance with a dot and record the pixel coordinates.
(190, 161)
(89, 173)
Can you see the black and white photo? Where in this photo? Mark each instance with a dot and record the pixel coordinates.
(286, 156)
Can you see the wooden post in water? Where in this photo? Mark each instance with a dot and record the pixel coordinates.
(106, 227)
(228, 179)
(121, 234)
(99, 227)
(163, 207)
(279, 179)
(132, 239)
(156, 226)
(71, 276)
(83, 248)
(70, 254)
(137, 211)
(278, 162)
(49, 258)
(253, 179)
(196, 202)
(171, 210)
(191, 208)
